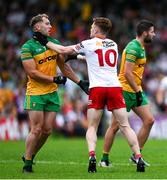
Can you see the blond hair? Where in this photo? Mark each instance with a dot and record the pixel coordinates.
(104, 24)
(36, 19)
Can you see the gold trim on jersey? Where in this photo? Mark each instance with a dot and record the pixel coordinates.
(131, 57)
(26, 55)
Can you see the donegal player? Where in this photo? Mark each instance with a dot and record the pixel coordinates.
(42, 100)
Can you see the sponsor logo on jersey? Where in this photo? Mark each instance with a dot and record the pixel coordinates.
(98, 43)
(107, 43)
(49, 58)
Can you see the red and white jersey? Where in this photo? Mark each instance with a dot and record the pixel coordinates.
(101, 57)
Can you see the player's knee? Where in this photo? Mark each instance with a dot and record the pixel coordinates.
(150, 121)
(36, 131)
(47, 131)
(124, 128)
(114, 129)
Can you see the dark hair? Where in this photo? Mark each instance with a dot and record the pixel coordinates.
(143, 25)
(36, 19)
(104, 24)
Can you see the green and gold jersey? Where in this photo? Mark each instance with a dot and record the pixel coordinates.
(134, 53)
(46, 62)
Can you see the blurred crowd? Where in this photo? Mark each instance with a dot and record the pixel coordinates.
(71, 21)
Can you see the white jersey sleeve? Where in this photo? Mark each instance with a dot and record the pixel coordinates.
(101, 57)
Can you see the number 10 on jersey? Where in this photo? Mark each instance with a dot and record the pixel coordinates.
(105, 56)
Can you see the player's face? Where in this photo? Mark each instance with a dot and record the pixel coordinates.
(45, 26)
(149, 35)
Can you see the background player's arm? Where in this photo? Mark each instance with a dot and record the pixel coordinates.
(129, 66)
(66, 69)
(160, 94)
(31, 70)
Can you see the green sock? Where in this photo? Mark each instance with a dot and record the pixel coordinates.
(28, 162)
(105, 157)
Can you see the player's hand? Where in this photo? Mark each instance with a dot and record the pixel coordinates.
(71, 57)
(40, 37)
(139, 98)
(84, 85)
(60, 80)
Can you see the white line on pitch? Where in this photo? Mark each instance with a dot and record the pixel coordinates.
(72, 163)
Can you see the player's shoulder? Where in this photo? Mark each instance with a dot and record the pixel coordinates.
(133, 47)
(134, 44)
(97, 41)
(87, 41)
(85, 44)
(111, 42)
(28, 43)
(53, 40)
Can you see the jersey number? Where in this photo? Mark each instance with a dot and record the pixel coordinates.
(106, 57)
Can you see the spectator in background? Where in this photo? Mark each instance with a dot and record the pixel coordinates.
(161, 94)
(14, 31)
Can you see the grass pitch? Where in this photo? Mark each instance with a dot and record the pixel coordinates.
(62, 158)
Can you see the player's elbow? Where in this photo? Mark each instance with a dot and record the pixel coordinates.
(32, 74)
(127, 74)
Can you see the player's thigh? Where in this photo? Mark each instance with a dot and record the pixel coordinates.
(121, 116)
(94, 116)
(36, 118)
(49, 118)
(144, 112)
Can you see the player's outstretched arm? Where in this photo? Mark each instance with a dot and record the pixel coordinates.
(56, 47)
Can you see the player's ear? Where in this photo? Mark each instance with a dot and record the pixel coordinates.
(36, 27)
(145, 33)
(97, 30)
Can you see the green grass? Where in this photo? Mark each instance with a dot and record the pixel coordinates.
(67, 159)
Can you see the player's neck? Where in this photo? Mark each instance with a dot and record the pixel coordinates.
(140, 40)
(100, 36)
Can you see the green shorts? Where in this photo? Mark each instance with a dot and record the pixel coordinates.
(46, 102)
(130, 100)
